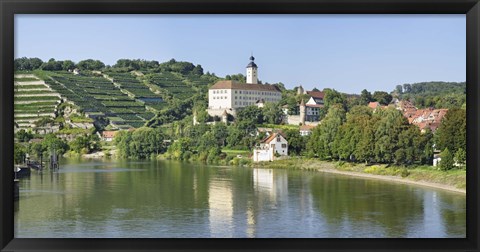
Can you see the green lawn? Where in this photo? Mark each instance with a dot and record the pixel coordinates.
(236, 152)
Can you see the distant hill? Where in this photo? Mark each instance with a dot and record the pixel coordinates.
(436, 94)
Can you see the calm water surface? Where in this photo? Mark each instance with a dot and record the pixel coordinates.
(97, 199)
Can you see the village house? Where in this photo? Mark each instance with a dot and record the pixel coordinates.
(425, 118)
(270, 148)
(229, 96)
(313, 105)
(376, 105)
(306, 130)
(108, 136)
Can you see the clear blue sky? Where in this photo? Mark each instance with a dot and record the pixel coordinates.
(344, 52)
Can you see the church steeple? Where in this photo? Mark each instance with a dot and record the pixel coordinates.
(252, 74)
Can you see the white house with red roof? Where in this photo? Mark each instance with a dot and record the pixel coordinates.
(108, 136)
(270, 148)
(313, 105)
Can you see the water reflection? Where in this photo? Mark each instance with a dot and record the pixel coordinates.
(171, 199)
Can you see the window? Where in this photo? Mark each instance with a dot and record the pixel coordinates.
(240, 92)
(235, 91)
(278, 139)
(284, 145)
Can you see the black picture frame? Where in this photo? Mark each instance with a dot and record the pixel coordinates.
(11, 7)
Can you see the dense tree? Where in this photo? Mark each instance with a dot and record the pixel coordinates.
(28, 64)
(248, 118)
(220, 132)
(122, 140)
(461, 157)
(272, 113)
(321, 140)
(447, 162)
(435, 94)
(237, 77)
(23, 135)
(387, 134)
(452, 132)
(296, 142)
(90, 64)
(366, 97)
(399, 89)
(180, 149)
(142, 143)
(85, 144)
(350, 133)
(333, 97)
(36, 149)
(52, 65)
(53, 144)
(137, 64)
(382, 97)
(19, 152)
(68, 65)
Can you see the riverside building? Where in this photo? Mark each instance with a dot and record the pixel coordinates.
(229, 96)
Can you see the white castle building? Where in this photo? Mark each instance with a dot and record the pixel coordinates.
(228, 96)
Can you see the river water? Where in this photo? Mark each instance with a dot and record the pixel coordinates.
(157, 199)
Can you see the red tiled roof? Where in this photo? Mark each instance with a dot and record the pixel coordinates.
(272, 136)
(109, 134)
(373, 105)
(316, 94)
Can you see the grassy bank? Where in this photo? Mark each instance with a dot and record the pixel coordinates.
(454, 179)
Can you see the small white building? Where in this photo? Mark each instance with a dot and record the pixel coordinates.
(108, 136)
(306, 130)
(313, 105)
(270, 147)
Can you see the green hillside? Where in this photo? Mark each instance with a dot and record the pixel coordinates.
(130, 93)
(436, 94)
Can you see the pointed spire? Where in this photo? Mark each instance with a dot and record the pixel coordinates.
(252, 64)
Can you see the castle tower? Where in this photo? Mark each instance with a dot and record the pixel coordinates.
(300, 90)
(252, 73)
(302, 112)
(225, 117)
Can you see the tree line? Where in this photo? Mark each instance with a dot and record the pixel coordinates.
(385, 136)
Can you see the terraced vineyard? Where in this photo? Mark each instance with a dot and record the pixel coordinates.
(141, 92)
(99, 95)
(181, 87)
(33, 100)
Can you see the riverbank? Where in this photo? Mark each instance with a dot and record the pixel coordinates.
(428, 176)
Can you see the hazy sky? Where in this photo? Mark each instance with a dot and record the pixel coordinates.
(344, 52)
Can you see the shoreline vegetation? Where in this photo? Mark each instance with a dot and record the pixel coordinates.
(428, 176)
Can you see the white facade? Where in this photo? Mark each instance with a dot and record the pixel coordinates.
(252, 75)
(238, 98)
(228, 95)
(274, 144)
